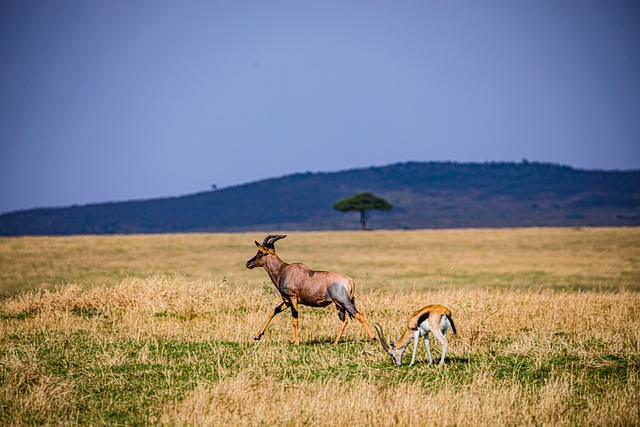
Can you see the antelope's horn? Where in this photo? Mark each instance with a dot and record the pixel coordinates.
(271, 239)
(383, 339)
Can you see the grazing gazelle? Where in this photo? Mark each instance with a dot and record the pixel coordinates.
(433, 318)
(298, 284)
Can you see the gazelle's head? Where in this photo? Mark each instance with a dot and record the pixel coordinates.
(389, 347)
(265, 249)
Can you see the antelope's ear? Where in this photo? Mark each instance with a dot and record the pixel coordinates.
(257, 244)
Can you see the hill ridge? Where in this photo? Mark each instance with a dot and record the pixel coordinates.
(424, 195)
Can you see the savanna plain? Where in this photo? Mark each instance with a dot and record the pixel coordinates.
(158, 330)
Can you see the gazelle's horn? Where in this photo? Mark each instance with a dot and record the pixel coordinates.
(271, 239)
(383, 339)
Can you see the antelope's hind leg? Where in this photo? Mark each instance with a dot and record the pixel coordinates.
(362, 320)
(341, 298)
(428, 347)
(443, 340)
(439, 328)
(278, 309)
(342, 314)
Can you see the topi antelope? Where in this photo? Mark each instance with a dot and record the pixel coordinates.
(433, 318)
(298, 284)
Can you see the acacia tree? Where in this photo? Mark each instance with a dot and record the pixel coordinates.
(363, 203)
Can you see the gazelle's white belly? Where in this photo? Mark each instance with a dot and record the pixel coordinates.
(425, 327)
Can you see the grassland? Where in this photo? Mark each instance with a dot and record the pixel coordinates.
(156, 330)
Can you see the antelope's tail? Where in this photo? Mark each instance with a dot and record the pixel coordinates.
(453, 325)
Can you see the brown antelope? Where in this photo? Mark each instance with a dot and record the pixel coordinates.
(298, 284)
(433, 318)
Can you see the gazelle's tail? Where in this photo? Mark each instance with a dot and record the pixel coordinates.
(453, 325)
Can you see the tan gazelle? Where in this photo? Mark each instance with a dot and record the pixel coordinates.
(298, 284)
(433, 318)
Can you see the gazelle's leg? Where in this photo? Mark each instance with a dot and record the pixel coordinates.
(416, 338)
(280, 308)
(443, 341)
(294, 318)
(426, 344)
(343, 319)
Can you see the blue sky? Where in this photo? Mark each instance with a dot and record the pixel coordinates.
(121, 100)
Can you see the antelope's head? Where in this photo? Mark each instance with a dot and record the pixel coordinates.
(265, 249)
(389, 347)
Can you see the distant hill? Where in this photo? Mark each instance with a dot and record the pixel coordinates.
(424, 195)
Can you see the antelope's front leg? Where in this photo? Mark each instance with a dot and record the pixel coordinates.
(279, 309)
(415, 347)
(294, 318)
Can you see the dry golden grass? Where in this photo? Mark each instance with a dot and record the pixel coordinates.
(537, 257)
(481, 402)
(559, 347)
(521, 357)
